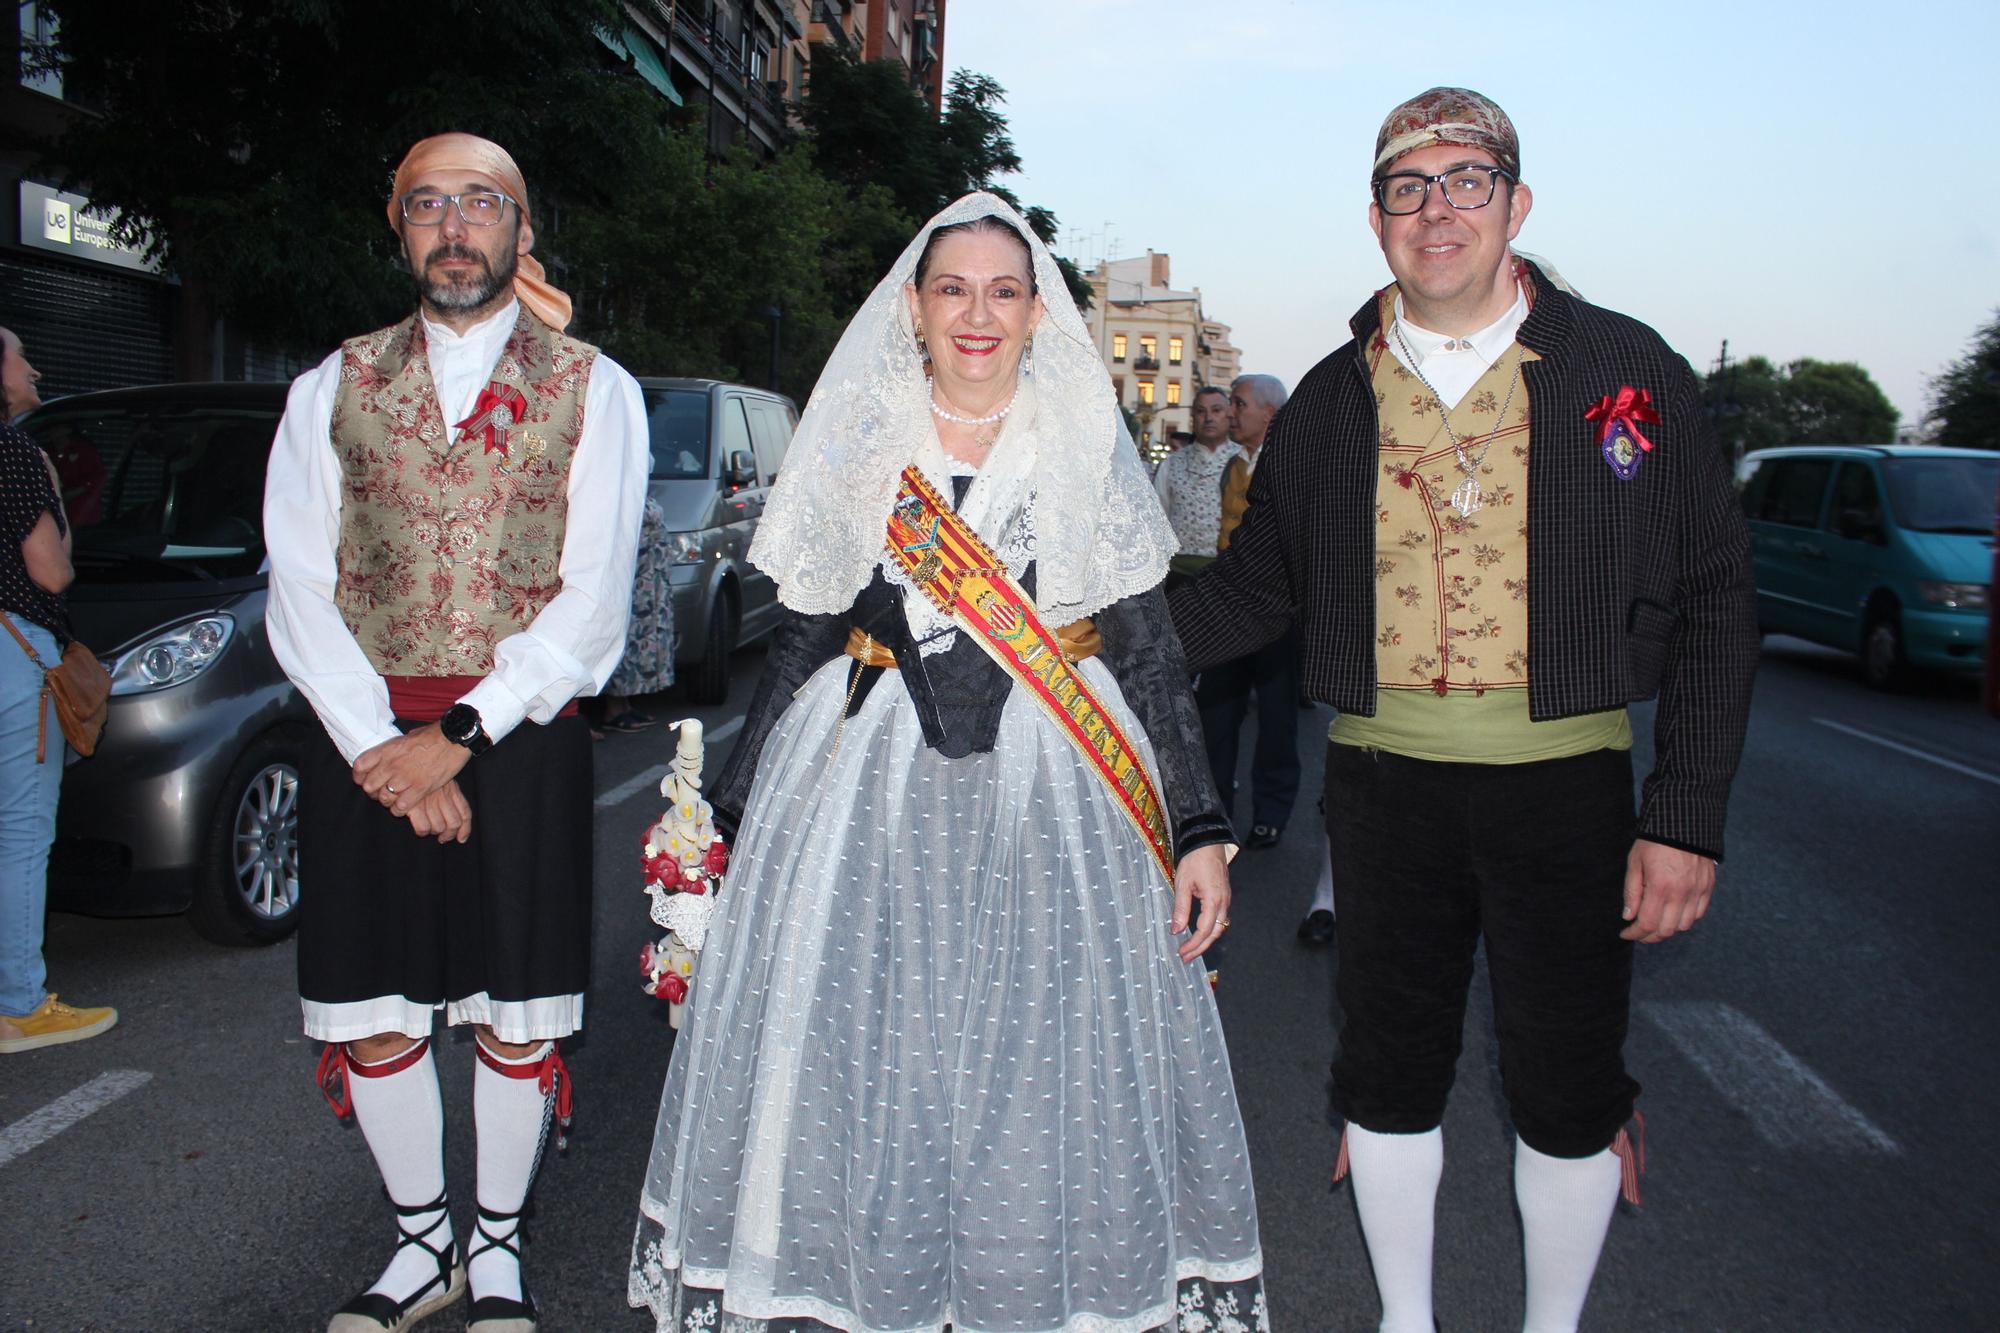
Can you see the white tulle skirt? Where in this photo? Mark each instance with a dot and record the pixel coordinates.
(942, 1066)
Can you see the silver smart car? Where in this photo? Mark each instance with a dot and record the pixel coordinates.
(191, 801)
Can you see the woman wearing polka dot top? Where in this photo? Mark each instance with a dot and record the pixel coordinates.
(34, 570)
(952, 1060)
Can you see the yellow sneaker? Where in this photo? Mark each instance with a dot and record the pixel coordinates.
(51, 1025)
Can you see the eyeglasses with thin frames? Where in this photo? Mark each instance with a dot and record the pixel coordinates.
(1404, 192)
(476, 208)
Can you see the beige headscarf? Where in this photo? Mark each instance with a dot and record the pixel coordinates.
(473, 156)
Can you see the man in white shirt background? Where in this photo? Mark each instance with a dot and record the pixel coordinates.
(1190, 482)
(1272, 672)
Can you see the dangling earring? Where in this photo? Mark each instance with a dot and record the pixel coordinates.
(923, 349)
(1028, 354)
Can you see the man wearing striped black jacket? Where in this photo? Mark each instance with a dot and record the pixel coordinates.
(1496, 517)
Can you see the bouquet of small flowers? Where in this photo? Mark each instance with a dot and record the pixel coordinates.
(683, 859)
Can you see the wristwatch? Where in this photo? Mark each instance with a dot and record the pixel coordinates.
(461, 726)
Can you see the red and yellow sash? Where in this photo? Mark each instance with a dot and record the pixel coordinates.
(945, 557)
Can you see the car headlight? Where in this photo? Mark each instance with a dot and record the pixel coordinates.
(686, 547)
(1963, 596)
(173, 655)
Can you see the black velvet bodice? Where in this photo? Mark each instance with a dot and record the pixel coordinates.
(959, 694)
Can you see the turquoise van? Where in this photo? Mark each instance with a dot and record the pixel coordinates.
(1883, 550)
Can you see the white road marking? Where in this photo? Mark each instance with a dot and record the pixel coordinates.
(1912, 751)
(38, 1127)
(619, 794)
(1791, 1106)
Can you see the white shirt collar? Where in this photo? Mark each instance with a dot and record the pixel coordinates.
(490, 332)
(1488, 344)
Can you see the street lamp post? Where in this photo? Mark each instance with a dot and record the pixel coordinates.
(776, 315)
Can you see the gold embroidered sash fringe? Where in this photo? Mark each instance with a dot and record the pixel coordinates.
(1451, 590)
(448, 546)
(945, 558)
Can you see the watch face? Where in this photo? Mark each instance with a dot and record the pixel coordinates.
(460, 723)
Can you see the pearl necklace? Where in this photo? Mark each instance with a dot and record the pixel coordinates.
(946, 414)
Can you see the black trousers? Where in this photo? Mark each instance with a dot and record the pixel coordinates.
(1223, 695)
(1432, 859)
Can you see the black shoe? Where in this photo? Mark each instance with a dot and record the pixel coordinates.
(498, 1314)
(372, 1312)
(1316, 931)
(1263, 835)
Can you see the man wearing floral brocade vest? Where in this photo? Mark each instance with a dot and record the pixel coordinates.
(1497, 516)
(429, 594)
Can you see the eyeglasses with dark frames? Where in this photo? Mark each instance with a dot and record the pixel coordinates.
(476, 208)
(1403, 192)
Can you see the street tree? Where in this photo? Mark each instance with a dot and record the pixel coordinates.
(1965, 399)
(869, 129)
(1758, 404)
(250, 146)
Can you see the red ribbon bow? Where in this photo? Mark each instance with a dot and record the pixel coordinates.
(496, 410)
(1630, 406)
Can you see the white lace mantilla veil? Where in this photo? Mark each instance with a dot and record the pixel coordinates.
(1098, 529)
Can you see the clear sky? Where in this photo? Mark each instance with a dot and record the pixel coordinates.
(1805, 180)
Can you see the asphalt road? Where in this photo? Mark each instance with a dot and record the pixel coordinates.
(1818, 1060)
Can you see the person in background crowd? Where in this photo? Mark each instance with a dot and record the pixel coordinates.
(1190, 483)
(34, 571)
(1271, 673)
(429, 594)
(1479, 776)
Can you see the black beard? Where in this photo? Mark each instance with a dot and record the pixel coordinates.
(475, 291)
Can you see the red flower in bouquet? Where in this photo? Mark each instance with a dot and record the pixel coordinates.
(646, 959)
(716, 859)
(664, 871)
(673, 988)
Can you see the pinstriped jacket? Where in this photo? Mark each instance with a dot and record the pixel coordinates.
(1636, 589)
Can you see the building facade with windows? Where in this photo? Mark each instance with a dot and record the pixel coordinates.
(1158, 342)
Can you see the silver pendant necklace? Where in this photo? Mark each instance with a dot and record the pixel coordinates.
(1466, 497)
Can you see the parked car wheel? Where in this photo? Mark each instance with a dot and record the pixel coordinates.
(1883, 664)
(708, 682)
(248, 892)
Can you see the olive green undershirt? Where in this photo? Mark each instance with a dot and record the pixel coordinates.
(1467, 727)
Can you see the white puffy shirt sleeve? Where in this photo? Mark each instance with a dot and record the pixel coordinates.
(575, 644)
(301, 538)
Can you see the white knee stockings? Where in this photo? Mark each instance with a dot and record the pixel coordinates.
(1566, 1206)
(1395, 1186)
(511, 1112)
(402, 1117)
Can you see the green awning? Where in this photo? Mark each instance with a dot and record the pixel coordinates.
(646, 59)
(610, 39)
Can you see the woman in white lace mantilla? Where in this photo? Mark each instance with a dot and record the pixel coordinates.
(952, 1061)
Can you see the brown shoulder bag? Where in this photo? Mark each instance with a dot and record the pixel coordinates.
(81, 688)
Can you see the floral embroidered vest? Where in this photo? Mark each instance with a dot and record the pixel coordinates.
(1451, 591)
(448, 545)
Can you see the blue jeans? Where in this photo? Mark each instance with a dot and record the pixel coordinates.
(27, 817)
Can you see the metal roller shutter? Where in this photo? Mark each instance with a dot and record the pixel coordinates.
(86, 328)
